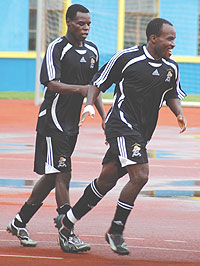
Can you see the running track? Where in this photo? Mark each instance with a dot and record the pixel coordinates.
(160, 231)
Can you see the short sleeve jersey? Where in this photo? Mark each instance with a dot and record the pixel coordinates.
(142, 84)
(60, 113)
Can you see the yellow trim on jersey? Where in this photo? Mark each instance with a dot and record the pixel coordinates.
(66, 4)
(121, 21)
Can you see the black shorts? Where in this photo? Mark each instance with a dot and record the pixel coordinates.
(53, 154)
(127, 150)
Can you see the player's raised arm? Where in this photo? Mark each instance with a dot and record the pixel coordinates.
(93, 93)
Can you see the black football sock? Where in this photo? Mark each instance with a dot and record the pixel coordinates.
(89, 199)
(25, 214)
(63, 209)
(122, 212)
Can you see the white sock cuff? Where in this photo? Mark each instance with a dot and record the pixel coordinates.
(18, 218)
(124, 205)
(71, 216)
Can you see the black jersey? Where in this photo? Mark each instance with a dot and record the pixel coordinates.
(142, 84)
(60, 113)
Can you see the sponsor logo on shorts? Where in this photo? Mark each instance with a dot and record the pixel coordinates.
(136, 150)
(62, 162)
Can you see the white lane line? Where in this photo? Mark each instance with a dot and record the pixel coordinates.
(101, 236)
(175, 241)
(156, 248)
(40, 241)
(17, 159)
(177, 166)
(134, 238)
(92, 236)
(168, 249)
(30, 257)
(105, 245)
(97, 236)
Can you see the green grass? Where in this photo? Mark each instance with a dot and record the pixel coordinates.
(30, 95)
(192, 98)
(16, 95)
(188, 98)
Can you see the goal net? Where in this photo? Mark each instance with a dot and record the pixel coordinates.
(115, 25)
(105, 27)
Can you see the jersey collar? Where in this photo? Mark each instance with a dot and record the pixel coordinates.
(148, 54)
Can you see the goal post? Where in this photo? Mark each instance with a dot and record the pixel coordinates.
(50, 25)
(38, 51)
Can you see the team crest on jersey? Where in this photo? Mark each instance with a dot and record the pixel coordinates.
(136, 150)
(169, 75)
(92, 62)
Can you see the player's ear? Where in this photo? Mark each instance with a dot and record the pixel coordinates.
(153, 38)
(68, 22)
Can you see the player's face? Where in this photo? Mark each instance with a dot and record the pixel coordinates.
(165, 42)
(79, 27)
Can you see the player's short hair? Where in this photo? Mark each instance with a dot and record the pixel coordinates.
(73, 9)
(155, 25)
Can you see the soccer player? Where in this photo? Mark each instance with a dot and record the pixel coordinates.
(145, 76)
(70, 63)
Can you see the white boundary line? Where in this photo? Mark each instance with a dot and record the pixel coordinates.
(156, 248)
(30, 257)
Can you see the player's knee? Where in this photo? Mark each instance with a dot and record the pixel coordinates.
(141, 179)
(144, 179)
(106, 184)
(64, 178)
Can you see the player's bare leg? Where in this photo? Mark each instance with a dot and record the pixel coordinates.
(69, 242)
(18, 225)
(42, 189)
(108, 177)
(138, 174)
(62, 188)
(138, 177)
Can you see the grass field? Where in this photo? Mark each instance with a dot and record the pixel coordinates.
(30, 95)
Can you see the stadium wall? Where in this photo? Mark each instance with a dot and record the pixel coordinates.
(17, 64)
(14, 25)
(184, 16)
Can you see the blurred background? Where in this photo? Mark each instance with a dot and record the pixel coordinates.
(28, 26)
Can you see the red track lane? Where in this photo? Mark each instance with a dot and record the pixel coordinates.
(160, 231)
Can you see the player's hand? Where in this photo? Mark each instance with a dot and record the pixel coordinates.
(103, 124)
(87, 111)
(182, 122)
